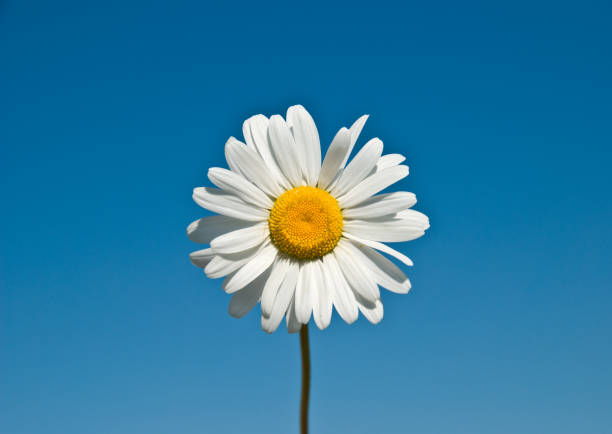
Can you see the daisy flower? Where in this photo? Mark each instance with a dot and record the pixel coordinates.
(303, 236)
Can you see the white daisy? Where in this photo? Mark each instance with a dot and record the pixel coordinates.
(299, 235)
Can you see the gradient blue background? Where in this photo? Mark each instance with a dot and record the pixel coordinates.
(111, 113)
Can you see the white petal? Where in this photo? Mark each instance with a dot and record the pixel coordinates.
(355, 130)
(380, 246)
(244, 300)
(372, 185)
(314, 289)
(355, 272)
(414, 216)
(245, 275)
(255, 130)
(227, 204)
(201, 258)
(359, 167)
(307, 138)
(389, 160)
(304, 293)
(222, 265)
(342, 296)
(293, 325)
(288, 155)
(237, 185)
(391, 230)
(334, 157)
(385, 272)
(279, 269)
(381, 205)
(322, 307)
(267, 325)
(231, 143)
(247, 162)
(205, 229)
(241, 239)
(374, 314)
(283, 299)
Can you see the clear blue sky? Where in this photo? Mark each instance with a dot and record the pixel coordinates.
(111, 113)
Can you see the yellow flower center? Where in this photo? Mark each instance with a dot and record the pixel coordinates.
(305, 222)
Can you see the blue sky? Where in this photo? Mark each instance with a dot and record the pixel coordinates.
(111, 113)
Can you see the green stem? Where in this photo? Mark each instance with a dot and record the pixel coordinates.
(305, 347)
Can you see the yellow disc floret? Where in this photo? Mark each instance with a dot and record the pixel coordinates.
(305, 222)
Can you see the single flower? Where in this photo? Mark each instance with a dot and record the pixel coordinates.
(301, 236)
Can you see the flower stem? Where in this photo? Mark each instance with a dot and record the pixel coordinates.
(305, 347)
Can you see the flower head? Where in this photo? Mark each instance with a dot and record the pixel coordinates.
(301, 236)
